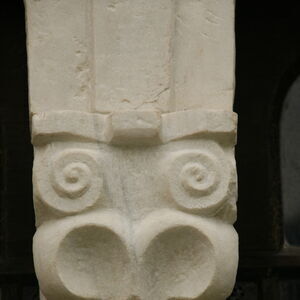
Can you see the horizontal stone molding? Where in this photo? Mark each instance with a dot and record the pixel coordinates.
(132, 127)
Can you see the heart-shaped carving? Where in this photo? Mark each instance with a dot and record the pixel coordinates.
(169, 255)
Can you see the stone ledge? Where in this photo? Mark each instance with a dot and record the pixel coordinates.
(132, 127)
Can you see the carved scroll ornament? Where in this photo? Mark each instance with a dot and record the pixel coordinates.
(134, 134)
(134, 205)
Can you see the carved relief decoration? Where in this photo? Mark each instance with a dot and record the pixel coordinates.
(127, 212)
(134, 174)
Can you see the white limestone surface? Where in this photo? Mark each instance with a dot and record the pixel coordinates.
(134, 176)
(59, 59)
(144, 211)
(109, 55)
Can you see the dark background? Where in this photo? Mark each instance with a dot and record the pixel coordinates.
(268, 61)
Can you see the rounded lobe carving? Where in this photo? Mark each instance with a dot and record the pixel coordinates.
(70, 181)
(182, 256)
(84, 257)
(179, 263)
(93, 263)
(199, 179)
(168, 255)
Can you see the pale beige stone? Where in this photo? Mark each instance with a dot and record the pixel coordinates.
(59, 45)
(198, 122)
(174, 255)
(129, 125)
(154, 216)
(133, 53)
(63, 124)
(135, 127)
(134, 176)
(204, 54)
(109, 55)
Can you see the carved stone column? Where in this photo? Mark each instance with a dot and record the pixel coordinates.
(132, 125)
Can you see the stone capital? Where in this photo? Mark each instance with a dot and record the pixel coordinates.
(134, 175)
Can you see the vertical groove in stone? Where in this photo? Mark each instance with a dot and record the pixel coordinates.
(172, 104)
(91, 37)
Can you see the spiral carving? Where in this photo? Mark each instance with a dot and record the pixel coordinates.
(199, 179)
(71, 181)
